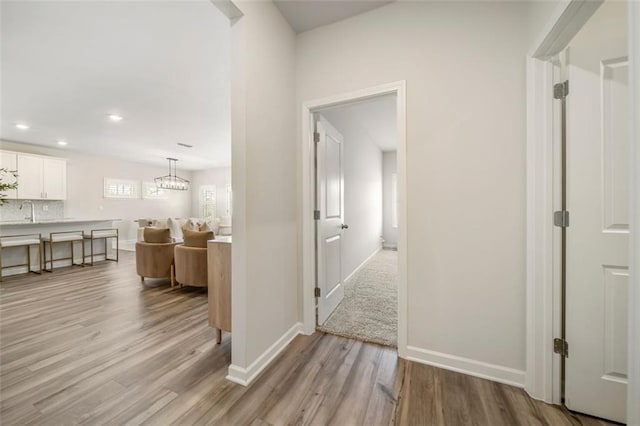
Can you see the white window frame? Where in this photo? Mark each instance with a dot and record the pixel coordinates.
(229, 209)
(210, 203)
(121, 191)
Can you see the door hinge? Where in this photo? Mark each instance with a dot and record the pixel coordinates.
(561, 90)
(561, 347)
(316, 137)
(316, 215)
(561, 218)
(317, 292)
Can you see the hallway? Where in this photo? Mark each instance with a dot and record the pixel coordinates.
(369, 310)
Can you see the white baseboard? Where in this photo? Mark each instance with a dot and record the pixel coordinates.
(244, 376)
(496, 373)
(376, 251)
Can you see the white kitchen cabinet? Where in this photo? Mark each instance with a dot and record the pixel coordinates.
(54, 178)
(41, 178)
(29, 177)
(9, 161)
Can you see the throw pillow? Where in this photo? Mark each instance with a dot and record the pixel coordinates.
(143, 223)
(157, 235)
(174, 226)
(197, 238)
(204, 226)
(189, 226)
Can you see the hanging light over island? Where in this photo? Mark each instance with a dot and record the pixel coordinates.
(172, 181)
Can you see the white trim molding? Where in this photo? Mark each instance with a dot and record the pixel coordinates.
(633, 389)
(244, 376)
(307, 231)
(472, 367)
(565, 22)
(540, 312)
(364, 262)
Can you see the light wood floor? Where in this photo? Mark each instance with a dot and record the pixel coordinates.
(94, 346)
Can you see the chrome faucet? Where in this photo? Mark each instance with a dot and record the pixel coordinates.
(33, 209)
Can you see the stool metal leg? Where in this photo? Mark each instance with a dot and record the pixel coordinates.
(40, 256)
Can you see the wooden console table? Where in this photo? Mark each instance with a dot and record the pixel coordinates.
(219, 280)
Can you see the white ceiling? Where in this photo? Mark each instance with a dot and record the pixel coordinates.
(305, 15)
(376, 117)
(163, 66)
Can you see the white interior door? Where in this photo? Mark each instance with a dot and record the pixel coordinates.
(330, 223)
(598, 202)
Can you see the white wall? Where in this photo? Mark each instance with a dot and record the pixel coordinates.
(362, 191)
(85, 182)
(220, 177)
(464, 67)
(389, 167)
(539, 13)
(265, 291)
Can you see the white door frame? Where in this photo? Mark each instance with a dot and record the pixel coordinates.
(308, 182)
(543, 305)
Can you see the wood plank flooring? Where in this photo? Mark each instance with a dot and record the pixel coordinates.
(95, 346)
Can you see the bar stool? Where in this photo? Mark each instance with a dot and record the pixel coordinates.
(27, 241)
(62, 237)
(103, 234)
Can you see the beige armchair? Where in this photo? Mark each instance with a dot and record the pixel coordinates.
(154, 256)
(191, 259)
(191, 266)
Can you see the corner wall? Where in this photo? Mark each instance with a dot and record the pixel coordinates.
(265, 290)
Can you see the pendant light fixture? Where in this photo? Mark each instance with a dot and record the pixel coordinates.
(172, 181)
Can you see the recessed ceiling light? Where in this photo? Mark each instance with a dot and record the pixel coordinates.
(115, 117)
(185, 145)
(22, 126)
(62, 143)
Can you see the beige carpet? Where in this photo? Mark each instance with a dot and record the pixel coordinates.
(369, 310)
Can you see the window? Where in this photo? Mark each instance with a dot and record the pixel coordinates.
(121, 188)
(228, 211)
(151, 191)
(394, 200)
(208, 201)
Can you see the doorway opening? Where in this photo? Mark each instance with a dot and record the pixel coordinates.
(357, 220)
(375, 259)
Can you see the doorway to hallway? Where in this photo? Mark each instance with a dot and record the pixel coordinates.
(357, 220)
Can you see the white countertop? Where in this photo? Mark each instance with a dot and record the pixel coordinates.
(52, 221)
(221, 239)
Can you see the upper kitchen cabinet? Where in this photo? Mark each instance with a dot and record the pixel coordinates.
(9, 162)
(42, 178)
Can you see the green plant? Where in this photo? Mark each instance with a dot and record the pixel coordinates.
(6, 186)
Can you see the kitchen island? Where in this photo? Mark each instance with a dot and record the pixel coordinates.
(16, 255)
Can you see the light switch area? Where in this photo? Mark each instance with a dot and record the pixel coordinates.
(45, 207)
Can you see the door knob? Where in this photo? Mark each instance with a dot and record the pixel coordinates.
(344, 226)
